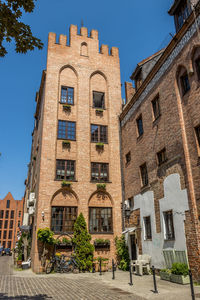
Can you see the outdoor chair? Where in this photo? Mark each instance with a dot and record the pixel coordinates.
(141, 265)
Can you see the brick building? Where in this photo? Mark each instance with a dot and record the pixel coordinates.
(76, 139)
(160, 126)
(11, 216)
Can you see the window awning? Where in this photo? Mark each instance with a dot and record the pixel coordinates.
(129, 230)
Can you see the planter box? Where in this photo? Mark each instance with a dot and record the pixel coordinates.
(66, 144)
(180, 279)
(165, 276)
(67, 107)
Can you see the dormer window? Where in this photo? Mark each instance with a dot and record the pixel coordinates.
(181, 10)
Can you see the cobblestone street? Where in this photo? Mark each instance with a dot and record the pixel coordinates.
(25, 285)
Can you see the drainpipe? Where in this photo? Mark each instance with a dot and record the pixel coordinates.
(122, 176)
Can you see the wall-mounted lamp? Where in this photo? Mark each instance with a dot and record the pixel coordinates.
(42, 215)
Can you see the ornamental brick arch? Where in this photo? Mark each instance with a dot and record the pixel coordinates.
(64, 197)
(100, 199)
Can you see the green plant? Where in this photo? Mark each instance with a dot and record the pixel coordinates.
(123, 259)
(66, 241)
(66, 143)
(19, 257)
(45, 235)
(180, 269)
(99, 110)
(100, 145)
(101, 241)
(166, 271)
(101, 186)
(65, 183)
(68, 106)
(83, 248)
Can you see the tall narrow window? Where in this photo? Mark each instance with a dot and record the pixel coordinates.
(99, 172)
(6, 224)
(131, 202)
(67, 95)
(156, 108)
(1, 214)
(18, 224)
(197, 131)
(100, 219)
(8, 204)
(10, 235)
(99, 134)
(144, 174)
(63, 218)
(98, 100)
(128, 157)
(197, 65)
(162, 156)
(185, 83)
(11, 224)
(169, 225)
(139, 126)
(9, 244)
(1, 222)
(66, 130)
(147, 228)
(65, 169)
(4, 234)
(7, 214)
(20, 213)
(12, 214)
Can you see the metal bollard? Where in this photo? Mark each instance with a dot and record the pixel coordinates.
(131, 279)
(191, 285)
(100, 267)
(113, 269)
(154, 281)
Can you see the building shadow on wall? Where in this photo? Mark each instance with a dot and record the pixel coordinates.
(25, 297)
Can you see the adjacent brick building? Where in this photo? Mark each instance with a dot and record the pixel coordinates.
(11, 216)
(76, 139)
(160, 128)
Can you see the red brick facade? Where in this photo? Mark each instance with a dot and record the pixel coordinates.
(11, 216)
(173, 130)
(79, 66)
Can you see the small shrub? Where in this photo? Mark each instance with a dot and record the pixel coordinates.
(166, 271)
(65, 183)
(83, 248)
(123, 259)
(101, 186)
(180, 269)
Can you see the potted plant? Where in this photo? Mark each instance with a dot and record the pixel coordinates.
(104, 263)
(180, 273)
(99, 111)
(66, 184)
(66, 143)
(99, 146)
(101, 186)
(101, 243)
(165, 274)
(19, 260)
(67, 107)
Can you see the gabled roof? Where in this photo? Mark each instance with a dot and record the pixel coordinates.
(141, 63)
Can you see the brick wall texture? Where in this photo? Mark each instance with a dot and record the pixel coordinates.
(174, 131)
(79, 65)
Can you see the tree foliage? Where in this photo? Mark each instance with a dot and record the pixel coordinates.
(12, 28)
(45, 235)
(123, 259)
(81, 240)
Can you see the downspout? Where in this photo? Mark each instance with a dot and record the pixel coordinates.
(122, 177)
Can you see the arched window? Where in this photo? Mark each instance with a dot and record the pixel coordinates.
(183, 80)
(84, 49)
(196, 62)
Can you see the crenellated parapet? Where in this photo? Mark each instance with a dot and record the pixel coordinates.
(85, 37)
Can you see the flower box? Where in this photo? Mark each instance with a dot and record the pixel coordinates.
(66, 144)
(66, 184)
(100, 146)
(181, 279)
(99, 111)
(67, 107)
(101, 243)
(165, 275)
(101, 186)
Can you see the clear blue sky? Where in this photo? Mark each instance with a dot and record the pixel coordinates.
(137, 28)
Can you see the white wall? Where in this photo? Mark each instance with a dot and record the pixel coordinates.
(174, 199)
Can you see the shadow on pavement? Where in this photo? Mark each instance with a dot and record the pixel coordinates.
(25, 297)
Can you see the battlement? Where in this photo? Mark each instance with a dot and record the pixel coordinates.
(83, 37)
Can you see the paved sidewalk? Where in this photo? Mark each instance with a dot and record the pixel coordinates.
(93, 286)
